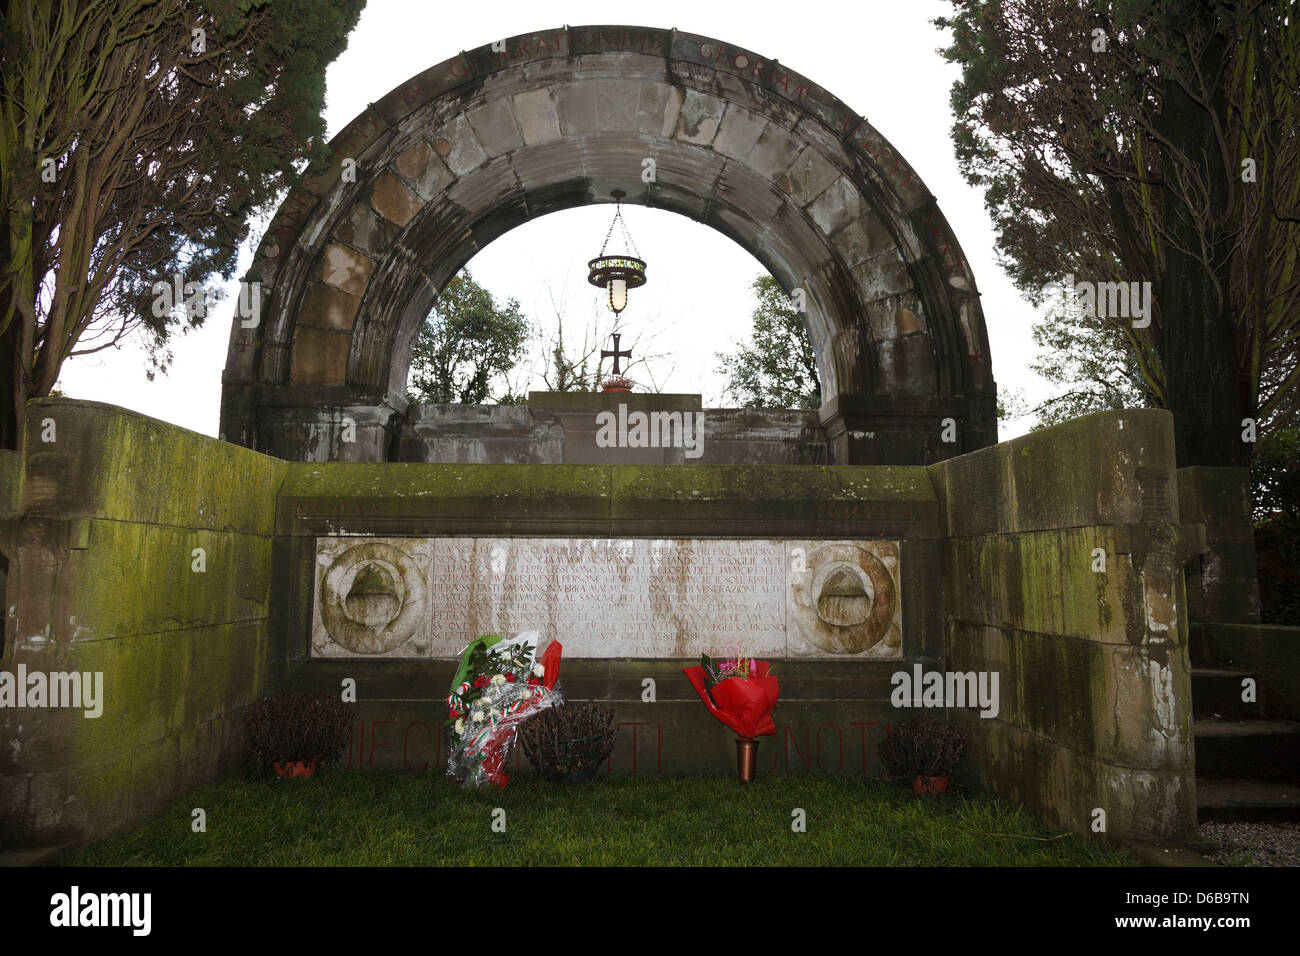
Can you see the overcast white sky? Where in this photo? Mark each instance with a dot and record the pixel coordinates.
(880, 58)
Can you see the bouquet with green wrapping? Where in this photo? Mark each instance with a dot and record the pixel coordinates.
(500, 683)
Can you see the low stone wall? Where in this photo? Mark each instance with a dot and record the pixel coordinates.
(113, 506)
(996, 551)
(1096, 693)
(561, 428)
(831, 718)
(833, 713)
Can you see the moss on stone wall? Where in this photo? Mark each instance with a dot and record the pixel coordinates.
(1079, 473)
(108, 462)
(745, 500)
(114, 509)
(1092, 696)
(660, 482)
(1063, 573)
(416, 481)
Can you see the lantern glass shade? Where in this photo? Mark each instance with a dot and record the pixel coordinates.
(616, 275)
(617, 295)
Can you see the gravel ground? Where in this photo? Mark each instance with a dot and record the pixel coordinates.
(1253, 844)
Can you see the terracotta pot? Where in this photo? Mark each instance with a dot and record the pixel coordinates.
(933, 786)
(605, 389)
(746, 758)
(295, 768)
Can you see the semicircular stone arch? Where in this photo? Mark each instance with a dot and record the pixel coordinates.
(467, 150)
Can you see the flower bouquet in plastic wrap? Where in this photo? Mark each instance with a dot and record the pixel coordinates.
(741, 693)
(500, 683)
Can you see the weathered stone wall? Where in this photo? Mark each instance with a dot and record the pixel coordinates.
(561, 428)
(831, 717)
(996, 551)
(1222, 583)
(1096, 689)
(832, 713)
(102, 581)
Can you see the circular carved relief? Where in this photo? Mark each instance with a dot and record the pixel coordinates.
(372, 598)
(845, 602)
(844, 594)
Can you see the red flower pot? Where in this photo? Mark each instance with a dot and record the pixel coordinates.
(295, 768)
(931, 786)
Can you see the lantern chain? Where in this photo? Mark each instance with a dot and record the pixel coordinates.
(627, 236)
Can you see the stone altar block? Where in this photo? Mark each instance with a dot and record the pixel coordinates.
(395, 597)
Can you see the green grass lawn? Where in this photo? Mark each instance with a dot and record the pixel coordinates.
(393, 818)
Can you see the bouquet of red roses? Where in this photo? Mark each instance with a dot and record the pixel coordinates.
(500, 683)
(738, 691)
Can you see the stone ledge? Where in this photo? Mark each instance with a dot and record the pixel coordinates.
(599, 401)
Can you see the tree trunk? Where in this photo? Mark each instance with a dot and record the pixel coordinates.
(11, 403)
(1206, 386)
(11, 396)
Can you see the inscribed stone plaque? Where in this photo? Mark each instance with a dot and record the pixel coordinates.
(629, 597)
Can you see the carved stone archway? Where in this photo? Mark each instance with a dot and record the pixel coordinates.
(472, 147)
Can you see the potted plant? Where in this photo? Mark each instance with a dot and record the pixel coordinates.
(567, 744)
(295, 730)
(926, 750)
(617, 383)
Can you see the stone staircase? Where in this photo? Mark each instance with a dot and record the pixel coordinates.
(1247, 765)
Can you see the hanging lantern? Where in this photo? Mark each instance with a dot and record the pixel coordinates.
(617, 274)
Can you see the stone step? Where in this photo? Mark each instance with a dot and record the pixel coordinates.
(1216, 692)
(1246, 800)
(1247, 749)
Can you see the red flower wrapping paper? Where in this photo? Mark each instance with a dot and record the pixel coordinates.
(744, 705)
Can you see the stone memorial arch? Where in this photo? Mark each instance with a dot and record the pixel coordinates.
(462, 153)
(196, 576)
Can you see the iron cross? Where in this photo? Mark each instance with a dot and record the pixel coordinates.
(605, 353)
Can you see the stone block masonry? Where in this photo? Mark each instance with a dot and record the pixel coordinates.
(480, 143)
(831, 718)
(117, 513)
(1062, 562)
(1054, 560)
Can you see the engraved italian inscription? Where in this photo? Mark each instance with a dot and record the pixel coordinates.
(632, 597)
